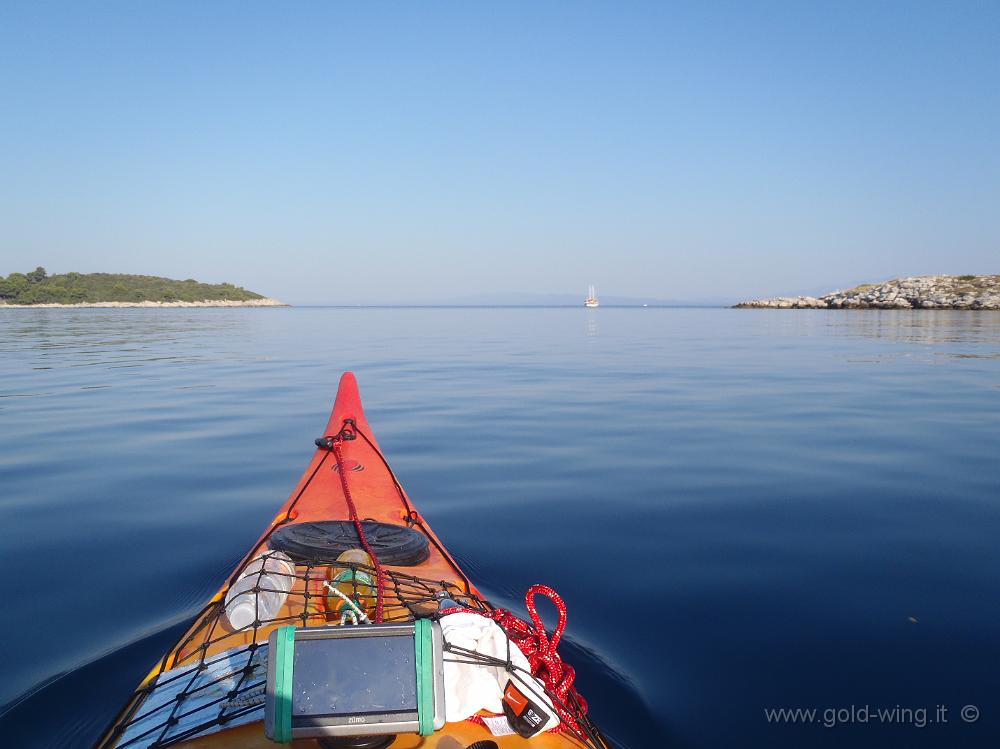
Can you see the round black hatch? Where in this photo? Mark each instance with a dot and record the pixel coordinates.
(325, 540)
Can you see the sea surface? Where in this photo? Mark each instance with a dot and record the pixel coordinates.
(745, 510)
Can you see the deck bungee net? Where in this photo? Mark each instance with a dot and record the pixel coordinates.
(215, 677)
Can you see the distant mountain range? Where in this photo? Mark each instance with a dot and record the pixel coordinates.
(522, 299)
(576, 300)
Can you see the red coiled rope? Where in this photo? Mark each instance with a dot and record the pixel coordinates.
(540, 650)
(379, 577)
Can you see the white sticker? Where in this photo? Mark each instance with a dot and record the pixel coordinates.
(498, 725)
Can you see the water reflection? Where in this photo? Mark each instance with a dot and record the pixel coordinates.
(58, 346)
(917, 326)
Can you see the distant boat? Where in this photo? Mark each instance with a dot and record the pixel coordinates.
(592, 299)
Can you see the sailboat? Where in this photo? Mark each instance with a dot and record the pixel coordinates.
(592, 298)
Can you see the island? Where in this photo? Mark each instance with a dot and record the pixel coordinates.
(915, 292)
(39, 289)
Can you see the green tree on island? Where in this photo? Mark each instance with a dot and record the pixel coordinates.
(37, 275)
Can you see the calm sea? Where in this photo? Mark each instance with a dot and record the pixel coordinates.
(745, 510)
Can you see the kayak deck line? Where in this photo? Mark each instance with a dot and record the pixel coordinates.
(208, 690)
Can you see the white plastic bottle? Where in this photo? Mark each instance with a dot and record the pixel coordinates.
(273, 574)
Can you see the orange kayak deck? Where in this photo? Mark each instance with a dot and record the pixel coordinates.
(410, 591)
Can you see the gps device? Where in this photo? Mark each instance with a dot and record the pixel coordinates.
(364, 680)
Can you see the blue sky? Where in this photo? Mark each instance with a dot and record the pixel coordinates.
(326, 152)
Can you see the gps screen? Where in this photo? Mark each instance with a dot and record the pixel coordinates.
(354, 676)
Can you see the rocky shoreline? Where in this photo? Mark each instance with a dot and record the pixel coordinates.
(917, 292)
(263, 302)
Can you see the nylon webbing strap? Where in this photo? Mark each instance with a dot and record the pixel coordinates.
(422, 635)
(283, 661)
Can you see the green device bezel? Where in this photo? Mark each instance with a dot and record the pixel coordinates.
(282, 726)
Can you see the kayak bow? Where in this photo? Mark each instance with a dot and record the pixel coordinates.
(208, 690)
